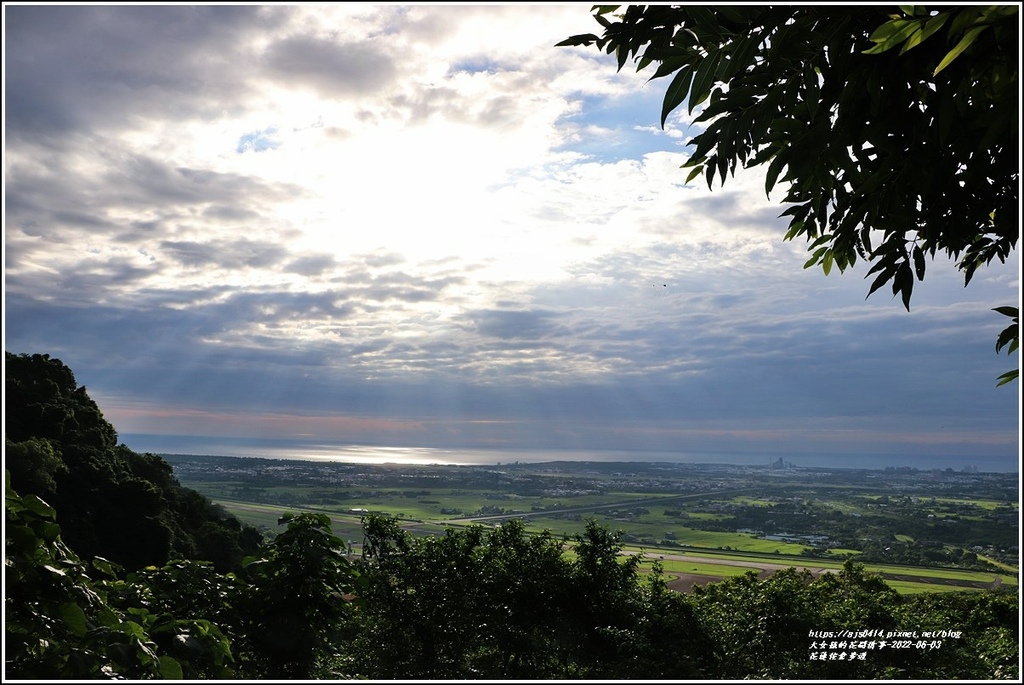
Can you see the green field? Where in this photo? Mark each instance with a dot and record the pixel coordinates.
(988, 505)
(658, 521)
(953, 574)
(905, 588)
(698, 568)
(347, 525)
(995, 562)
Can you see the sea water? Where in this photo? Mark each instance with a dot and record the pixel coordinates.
(384, 454)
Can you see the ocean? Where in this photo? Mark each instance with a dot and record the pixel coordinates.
(380, 454)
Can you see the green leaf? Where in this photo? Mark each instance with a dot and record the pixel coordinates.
(703, 79)
(695, 173)
(881, 280)
(930, 27)
(106, 566)
(826, 262)
(54, 570)
(774, 169)
(74, 617)
(49, 531)
(964, 43)
(822, 239)
(918, 262)
(669, 66)
(676, 92)
(964, 18)
(795, 229)
(891, 34)
(903, 283)
(581, 39)
(815, 257)
(742, 54)
(38, 507)
(170, 669)
(812, 90)
(1007, 377)
(1009, 336)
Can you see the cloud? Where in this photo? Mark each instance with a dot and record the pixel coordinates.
(333, 68)
(225, 254)
(88, 67)
(312, 265)
(427, 222)
(513, 324)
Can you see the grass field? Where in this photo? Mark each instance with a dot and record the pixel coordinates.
(986, 504)
(421, 514)
(953, 574)
(721, 570)
(905, 588)
(1006, 567)
(751, 501)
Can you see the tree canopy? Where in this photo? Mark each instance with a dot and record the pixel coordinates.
(116, 503)
(895, 129)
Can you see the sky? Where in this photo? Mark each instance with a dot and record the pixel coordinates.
(427, 226)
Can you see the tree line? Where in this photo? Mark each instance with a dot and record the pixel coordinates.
(97, 598)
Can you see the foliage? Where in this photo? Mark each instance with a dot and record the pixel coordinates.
(630, 630)
(115, 503)
(1010, 339)
(35, 463)
(526, 582)
(190, 610)
(294, 608)
(501, 603)
(765, 628)
(888, 156)
(58, 622)
(471, 604)
(421, 602)
(989, 645)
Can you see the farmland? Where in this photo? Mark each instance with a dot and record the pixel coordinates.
(922, 531)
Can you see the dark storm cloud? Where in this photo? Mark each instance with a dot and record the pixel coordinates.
(79, 67)
(59, 201)
(411, 287)
(312, 265)
(226, 254)
(90, 282)
(277, 308)
(380, 260)
(728, 210)
(143, 180)
(154, 328)
(227, 214)
(513, 324)
(332, 67)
